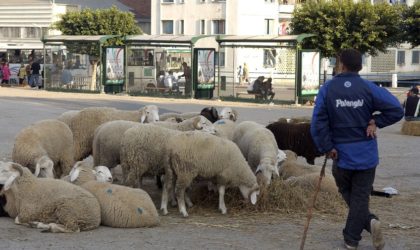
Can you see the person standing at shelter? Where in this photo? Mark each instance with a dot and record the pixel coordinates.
(5, 73)
(245, 74)
(239, 74)
(344, 125)
(22, 74)
(412, 105)
(187, 75)
(35, 68)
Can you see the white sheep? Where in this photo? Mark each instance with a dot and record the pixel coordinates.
(229, 114)
(259, 147)
(224, 128)
(192, 154)
(98, 173)
(142, 151)
(292, 168)
(195, 123)
(121, 206)
(49, 204)
(310, 181)
(84, 123)
(44, 144)
(67, 116)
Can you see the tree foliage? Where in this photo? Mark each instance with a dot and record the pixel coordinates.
(97, 22)
(340, 24)
(411, 24)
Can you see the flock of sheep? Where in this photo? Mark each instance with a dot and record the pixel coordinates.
(60, 177)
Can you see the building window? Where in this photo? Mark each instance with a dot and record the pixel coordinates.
(269, 26)
(220, 56)
(167, 27)
(219, 27)
(415, 57)
(401, 57)
(10, 32)
(167, 1)
(202, 27)
(181, 27)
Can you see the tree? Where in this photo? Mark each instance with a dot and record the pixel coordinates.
(411, 24)
(96, 22)
(340, 24)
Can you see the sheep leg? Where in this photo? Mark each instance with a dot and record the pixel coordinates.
(187, 199)
(180, 195)
(51, 227)
(167, 188)
(222, 206)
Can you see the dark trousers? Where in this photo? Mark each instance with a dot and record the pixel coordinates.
(355, 187)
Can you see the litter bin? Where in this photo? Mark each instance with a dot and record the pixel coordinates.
(113, 88)
(204, 91)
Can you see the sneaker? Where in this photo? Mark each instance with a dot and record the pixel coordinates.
(349, 246)
(376, 232)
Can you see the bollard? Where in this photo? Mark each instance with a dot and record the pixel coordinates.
(394, 81)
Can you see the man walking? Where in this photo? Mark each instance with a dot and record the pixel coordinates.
(347, 111)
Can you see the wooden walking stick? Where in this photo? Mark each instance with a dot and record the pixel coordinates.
(309, 214)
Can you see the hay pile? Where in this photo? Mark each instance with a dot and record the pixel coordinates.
(411, 128)
(279, 197)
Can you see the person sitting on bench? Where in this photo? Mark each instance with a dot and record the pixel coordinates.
(268, 89)
(256, 87)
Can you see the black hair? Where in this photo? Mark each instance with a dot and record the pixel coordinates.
(415, 90)
(351, 59)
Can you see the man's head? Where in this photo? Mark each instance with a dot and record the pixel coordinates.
(184, 64)
(414, 91)
(351, 60)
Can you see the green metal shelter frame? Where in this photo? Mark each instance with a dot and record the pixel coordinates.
(266, 41)
(175, 41)
(80, 39)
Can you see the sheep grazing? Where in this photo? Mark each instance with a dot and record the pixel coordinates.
(259, 147)
(192, 154)
(296, 137)
(44, 144)
(84, 123)
(142, 151)
(225, 128)
(121, 206)
(229, 114)
(44, 168)
(107, 142)
(49, 204)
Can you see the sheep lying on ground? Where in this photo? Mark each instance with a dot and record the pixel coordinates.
(84, 123)
(228, 113)
(121, 206)
(310, 181)
(296, 137)
(192, 154)
(49, 204)
(98, 173)
(44, 144)
(225, 128)
(290, 167)
(259, 147)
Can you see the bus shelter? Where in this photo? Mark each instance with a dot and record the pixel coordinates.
(169, 65)
(294, 72)
(75, 62)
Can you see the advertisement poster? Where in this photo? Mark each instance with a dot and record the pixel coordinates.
(310, 72)
(114, 66)
(205, 66)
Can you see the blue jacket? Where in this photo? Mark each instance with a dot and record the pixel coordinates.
(343, 108)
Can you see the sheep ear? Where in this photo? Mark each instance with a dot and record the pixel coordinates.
(74, 174)
(234, 115)
(276, 171)
(253, 197)
(259, 169)
(10, 181)
(142, 116)
(197, 123)
(17, 167)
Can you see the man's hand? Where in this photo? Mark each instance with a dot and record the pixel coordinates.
(371, 129)
(332, 154)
